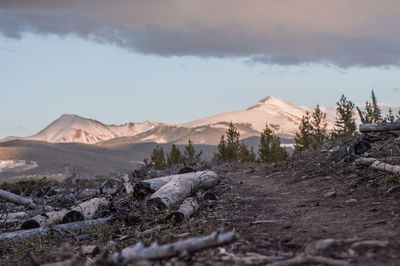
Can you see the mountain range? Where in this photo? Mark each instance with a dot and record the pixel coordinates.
(281, 116)
(93, 148)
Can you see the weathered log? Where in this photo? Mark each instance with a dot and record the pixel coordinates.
(61, 228)
(181, 187)
(17, 199)
(156, 252)
(188, 208)
(83, 211)
(13, 215)
(380, 127)
(150, 186)
(378, 165)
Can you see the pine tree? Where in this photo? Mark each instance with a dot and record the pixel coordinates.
(368, 113)
(318, 127)
(189, 154)
(390, 118)
(303, 138)
(158, 158)
(264, 150)
(278, 153)
(270, 149)
(222, 151)
(245, 155)
(345, 121)
(377, 117)
(232, 142)
(229, 150)
(174, 156)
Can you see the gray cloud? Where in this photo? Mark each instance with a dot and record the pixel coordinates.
(286, 32)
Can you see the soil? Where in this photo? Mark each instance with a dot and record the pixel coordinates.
(281, 210)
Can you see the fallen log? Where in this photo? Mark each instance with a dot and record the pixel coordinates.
(83, 211)
(380, 127)
(149, 186)
(18, 200)
(156, 252)
(13, 215)
(181, 187)
(378, 165)
(61, 228)
(188, 208)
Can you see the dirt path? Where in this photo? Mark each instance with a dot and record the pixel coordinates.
(285, 212)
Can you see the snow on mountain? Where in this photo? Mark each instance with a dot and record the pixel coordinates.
(73, 128)
(283, 117)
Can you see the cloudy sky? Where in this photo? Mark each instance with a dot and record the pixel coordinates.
(178, 60)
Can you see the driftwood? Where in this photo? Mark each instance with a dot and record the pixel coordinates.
(83, 211)
(17, 199)
(156, 252)
(181, 187)
(188, 208)
(150, 186)
(378, 165)
(37, 232)
(380, 127)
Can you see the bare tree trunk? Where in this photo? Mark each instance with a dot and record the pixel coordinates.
(17, 199)
(83, 211)
(62, 228)
(380, 127)
(378, 165)
(188, 208)
(181, 187)
(150, 186)
(155, 252)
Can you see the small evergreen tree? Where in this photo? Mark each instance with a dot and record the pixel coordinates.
(270, 149)
(264, 149)
(303, 138)
(158, 158)
(245, 155)
(318, 128)
(345, 121)
(390, 118)
(189, 154)
(229, 150)
(222, 152)
(232, 142)
(377, 117)
(174, 156)
(368, 113)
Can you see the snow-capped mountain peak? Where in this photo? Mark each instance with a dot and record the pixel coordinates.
(73, 128)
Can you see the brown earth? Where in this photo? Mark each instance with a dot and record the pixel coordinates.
(289, 204)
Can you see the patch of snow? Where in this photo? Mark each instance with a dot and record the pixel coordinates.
(16, 165)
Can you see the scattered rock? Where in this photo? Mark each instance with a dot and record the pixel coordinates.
(330, 194)
(90, 249)
(351, 201)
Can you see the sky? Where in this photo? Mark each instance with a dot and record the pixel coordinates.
(174, 61)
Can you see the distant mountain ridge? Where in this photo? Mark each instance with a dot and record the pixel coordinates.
(283, 118)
